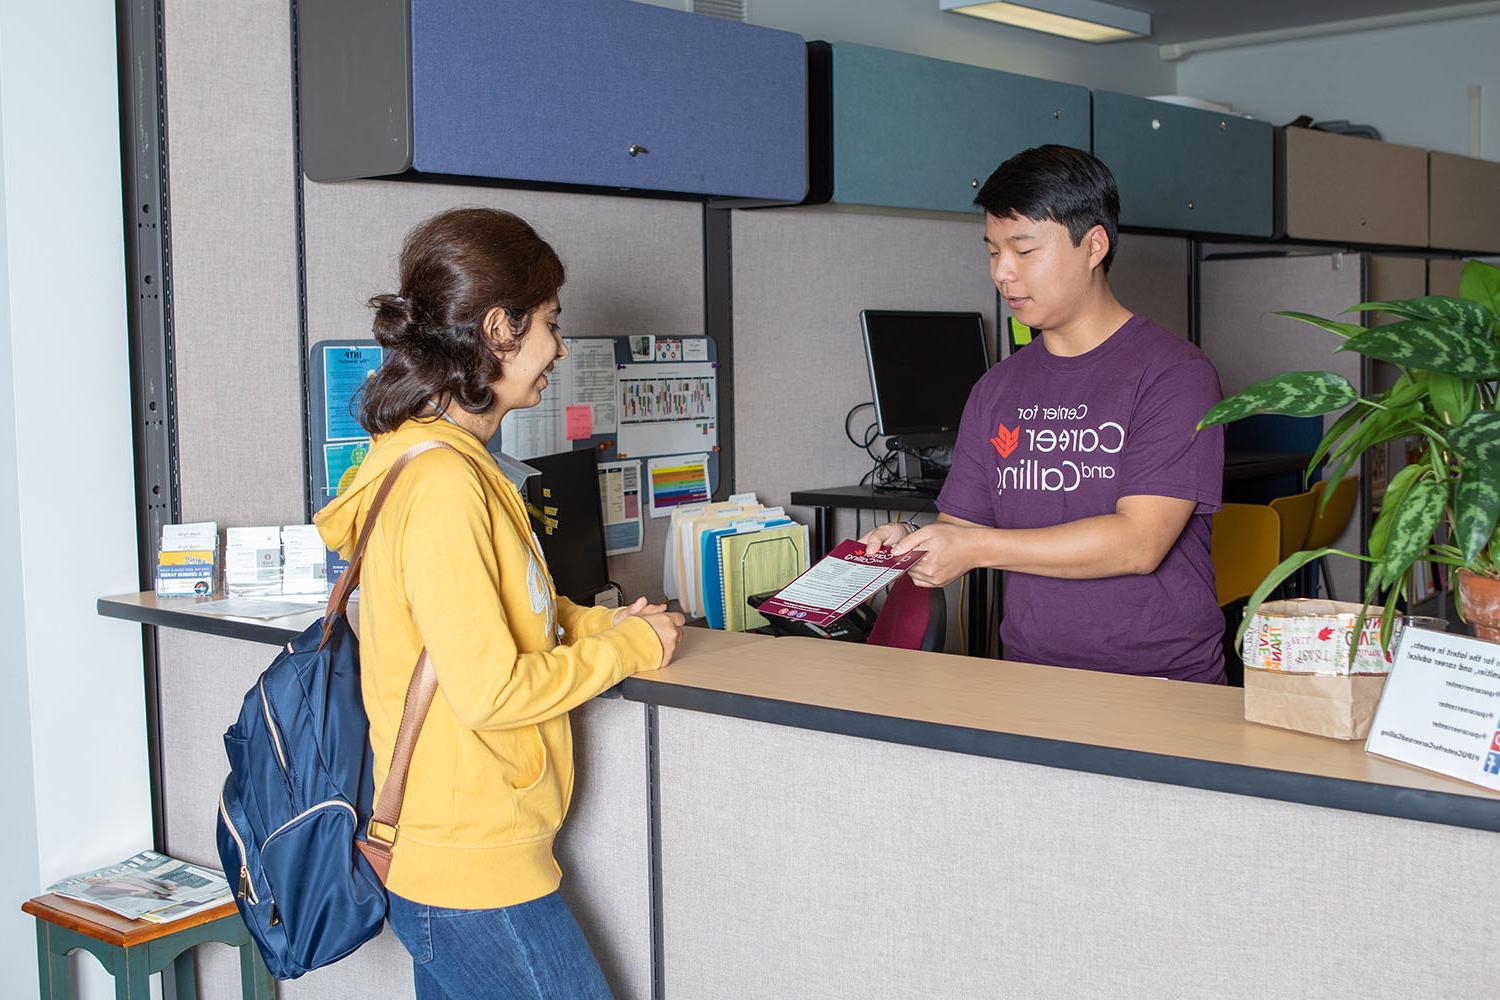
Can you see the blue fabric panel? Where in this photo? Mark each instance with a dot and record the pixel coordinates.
(1184, 168)
(558, 91)
(914, 132)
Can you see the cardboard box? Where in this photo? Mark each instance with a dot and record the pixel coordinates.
(1298, 673)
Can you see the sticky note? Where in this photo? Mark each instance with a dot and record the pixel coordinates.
(580, 422)
(1020, 333)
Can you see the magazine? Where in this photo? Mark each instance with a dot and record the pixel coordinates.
(149, 886)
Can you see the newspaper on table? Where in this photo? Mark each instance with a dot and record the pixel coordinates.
(149, 886)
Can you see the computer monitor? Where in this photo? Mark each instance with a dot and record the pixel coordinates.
(922, 366)
(564, 505)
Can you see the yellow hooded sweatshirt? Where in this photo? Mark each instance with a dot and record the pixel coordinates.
(453, 565)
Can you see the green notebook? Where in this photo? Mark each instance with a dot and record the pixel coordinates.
(756, 562)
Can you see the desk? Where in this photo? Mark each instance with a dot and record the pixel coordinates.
(874, 816)
(1239, 466)
(1242, 465)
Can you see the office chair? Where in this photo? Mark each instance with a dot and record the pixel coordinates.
(1296, 513)
(912, 618)
(1245, 546)
(1330, 523)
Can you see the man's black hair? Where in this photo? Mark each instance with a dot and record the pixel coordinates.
(1058, 184)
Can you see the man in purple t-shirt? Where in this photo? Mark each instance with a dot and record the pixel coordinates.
(1077, 469)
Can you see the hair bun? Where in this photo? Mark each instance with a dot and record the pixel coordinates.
(394, 317)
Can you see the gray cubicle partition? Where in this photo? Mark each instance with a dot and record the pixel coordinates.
(1241, 334)
(604, 848)
(807, 864)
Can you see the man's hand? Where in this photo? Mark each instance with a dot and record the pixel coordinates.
(884, 537)
(952, 550)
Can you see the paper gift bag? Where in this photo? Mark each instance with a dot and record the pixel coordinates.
(1298, 673)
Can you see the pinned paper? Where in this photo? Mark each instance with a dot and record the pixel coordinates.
(620, 500)
(642, 347)
(675, 481)
(695, 349)
(345, 370)
(580, 422)
(668, 409)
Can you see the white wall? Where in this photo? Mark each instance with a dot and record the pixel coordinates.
(1411, 83)
(73, 769)
(920, 26)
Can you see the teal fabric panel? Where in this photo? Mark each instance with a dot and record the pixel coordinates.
(921, 133)
(1184, 168)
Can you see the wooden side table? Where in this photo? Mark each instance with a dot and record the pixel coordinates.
(134, 950)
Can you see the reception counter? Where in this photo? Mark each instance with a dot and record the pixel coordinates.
(796, 818)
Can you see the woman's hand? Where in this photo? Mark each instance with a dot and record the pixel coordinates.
(666, 624)
(640, 606)
(884, 537)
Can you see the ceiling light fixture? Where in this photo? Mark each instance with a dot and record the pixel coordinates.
(1084, 20)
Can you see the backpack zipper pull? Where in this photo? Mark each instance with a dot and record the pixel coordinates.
(244, 882)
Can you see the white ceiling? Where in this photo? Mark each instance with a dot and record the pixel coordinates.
(1189, 20)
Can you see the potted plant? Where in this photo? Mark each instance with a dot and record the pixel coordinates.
(1447, 353)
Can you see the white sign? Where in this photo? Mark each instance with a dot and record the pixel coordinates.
(1440, 709)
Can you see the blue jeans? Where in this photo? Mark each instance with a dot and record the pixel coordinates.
(530, 951)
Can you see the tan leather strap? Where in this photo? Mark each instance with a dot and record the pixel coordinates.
(376, 847)
(419, 692)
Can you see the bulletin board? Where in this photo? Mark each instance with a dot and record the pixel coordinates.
(634, 367)
(336, 441)
(337, 370)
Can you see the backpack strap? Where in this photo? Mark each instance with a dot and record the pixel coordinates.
(419, 693)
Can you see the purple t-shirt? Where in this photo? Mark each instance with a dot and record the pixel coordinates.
(1046, 440)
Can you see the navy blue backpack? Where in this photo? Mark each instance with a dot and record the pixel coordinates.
(296, 828)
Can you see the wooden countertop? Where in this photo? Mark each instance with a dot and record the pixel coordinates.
(1133, 727)
(1156, 730)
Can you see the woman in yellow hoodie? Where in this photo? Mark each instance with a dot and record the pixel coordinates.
(453, 566)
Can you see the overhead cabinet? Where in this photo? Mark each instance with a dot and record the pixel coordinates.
(598, 93)
(1347, 189)
(1463, 203)
(1186, 169)
(896, 130)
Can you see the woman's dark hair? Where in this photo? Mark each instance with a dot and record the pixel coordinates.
(1059, 184)
(454, 269)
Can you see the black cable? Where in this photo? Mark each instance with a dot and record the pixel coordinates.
(852, 411)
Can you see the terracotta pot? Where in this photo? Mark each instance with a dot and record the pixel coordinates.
(1479, 596)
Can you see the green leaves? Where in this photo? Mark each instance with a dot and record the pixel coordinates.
(1468, 352)
(1478, 506)
(1444, 401)
(1279, 575)
(1450, 398)
(1416, 520)
(1477, 500)
(1331, 325)
(1298, 394)
(1481, 283)
(1395, 493)
(1477, 439)
(1444, 309)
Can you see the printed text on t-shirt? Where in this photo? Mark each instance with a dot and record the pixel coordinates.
(1061, 476)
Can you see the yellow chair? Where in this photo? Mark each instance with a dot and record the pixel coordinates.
(1328, 525)
(1296, 513)
(1245, 545)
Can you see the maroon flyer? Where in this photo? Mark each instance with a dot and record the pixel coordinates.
(842, 581)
